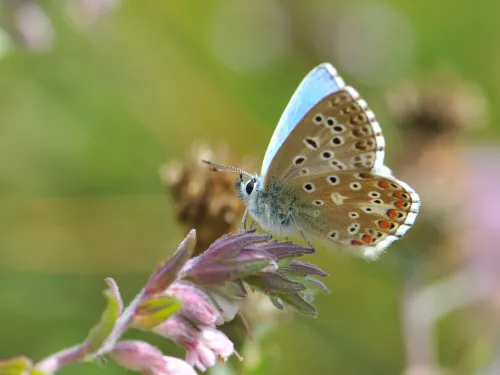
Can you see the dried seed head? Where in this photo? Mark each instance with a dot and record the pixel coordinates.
(443, 105)
(205, 200)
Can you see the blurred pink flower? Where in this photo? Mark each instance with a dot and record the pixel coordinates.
(85, 13)
(142, 357)
(481, 218)
(34, 27)
(478, 280)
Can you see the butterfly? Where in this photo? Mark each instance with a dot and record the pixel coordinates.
(323, 173)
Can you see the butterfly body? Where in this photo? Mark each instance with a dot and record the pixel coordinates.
(324, 175)
(278, 207)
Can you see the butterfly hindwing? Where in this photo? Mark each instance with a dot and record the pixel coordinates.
(360, 209)
(338, 133)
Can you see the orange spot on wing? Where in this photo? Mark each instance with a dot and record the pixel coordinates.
(400, 204)
(384, 184)
(366, 238)
(400, 195)
(357, 243)
(384, 224)
(392, 214)
(365, 175)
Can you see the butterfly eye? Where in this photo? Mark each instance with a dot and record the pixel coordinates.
(250, 185)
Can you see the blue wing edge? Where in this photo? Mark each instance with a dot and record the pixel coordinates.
(323, 80)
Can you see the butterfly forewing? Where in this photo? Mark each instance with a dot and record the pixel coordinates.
(339, 133)
(319, 83)
(360, 209)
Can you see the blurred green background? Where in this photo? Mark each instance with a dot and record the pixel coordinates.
(96, 95)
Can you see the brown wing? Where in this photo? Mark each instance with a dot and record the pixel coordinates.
(338, 133)
(361, 209)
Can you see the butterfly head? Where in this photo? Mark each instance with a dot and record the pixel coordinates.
(247, 187)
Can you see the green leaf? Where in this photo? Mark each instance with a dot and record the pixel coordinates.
(103, 328)
(15, 366)
(154, 311)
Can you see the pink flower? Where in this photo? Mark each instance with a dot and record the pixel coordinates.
(196, 304)
(231, 258)
(232, 261)
(212, 344)
(142, 357)
(203, 344)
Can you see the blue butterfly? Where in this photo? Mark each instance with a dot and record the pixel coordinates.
(323, 172)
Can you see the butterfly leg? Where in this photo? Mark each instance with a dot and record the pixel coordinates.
(301, 231)
(244, 221)
(305, 238)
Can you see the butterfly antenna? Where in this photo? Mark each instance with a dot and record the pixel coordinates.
(216, 167)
